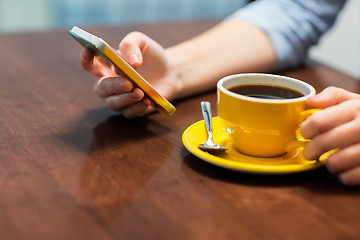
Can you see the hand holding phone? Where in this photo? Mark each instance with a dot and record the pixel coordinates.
(100, 47)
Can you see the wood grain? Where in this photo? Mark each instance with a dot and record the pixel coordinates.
(72, 169)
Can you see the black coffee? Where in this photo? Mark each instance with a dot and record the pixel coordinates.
(266, 91)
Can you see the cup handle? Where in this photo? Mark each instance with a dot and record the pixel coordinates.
(300, 141)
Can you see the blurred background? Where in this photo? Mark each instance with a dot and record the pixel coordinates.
(339, 48)
(37, 15)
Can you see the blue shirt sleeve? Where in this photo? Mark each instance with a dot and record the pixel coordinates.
(293, 26)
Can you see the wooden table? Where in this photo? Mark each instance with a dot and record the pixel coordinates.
(70, 168)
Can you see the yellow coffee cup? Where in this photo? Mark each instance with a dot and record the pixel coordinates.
(260, 113)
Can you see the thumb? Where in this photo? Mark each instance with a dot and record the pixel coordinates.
(131, 48)
(329, 97)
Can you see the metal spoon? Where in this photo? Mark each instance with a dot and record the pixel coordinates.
(209, 145)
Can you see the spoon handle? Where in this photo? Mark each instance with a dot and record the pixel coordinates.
(206, 111)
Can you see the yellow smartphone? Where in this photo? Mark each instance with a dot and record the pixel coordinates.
(99, 46)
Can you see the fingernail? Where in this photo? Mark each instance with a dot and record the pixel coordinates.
(136, 95)
(85, 56)
(342, 178)
(329, 167)
(134, 59)
(316, 97)
(304, 130)
(146, 102)
(308, 155)
(126, 86)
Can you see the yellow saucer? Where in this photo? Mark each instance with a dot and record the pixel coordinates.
(232, 159)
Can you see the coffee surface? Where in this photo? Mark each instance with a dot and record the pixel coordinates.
(266, 91)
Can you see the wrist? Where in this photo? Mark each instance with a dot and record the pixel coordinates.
(189, 71)
(177, 73)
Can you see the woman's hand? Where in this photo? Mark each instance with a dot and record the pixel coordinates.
(336, 126)
(149, 59)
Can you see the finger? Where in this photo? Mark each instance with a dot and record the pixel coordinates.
(138, 109)
(122, 101)
(91, 64)
(329, 97)
(341, 136)
(351, 177)
(86, 59)
(103, 61)
(131, 48)
(329, 118)
(106, 87)
(344, 159)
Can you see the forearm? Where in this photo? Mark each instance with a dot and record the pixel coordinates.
(233, 46)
